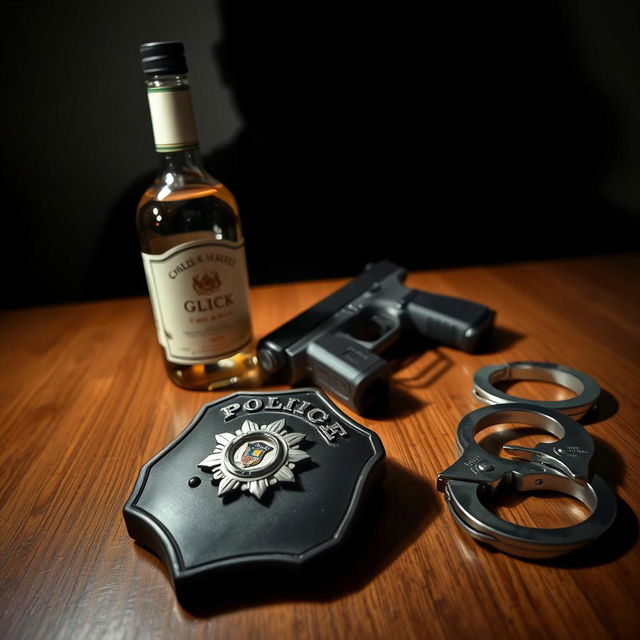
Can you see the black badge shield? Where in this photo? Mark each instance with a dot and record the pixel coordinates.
(257, 481)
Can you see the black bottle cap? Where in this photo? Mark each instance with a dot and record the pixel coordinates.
(163, 58)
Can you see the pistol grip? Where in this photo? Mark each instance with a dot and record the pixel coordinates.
(340, 365)
(451, 321)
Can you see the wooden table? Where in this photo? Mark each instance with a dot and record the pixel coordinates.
(85, 402)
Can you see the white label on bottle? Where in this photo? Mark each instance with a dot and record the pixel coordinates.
(174, 127)
(199, 294)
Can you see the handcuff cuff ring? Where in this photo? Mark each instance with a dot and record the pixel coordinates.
(585, 387)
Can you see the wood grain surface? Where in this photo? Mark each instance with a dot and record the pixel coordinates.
(85, 402)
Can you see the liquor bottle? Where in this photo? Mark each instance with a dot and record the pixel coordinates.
(191, 240)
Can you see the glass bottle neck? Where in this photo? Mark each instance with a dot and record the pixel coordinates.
(181, 161)
(174, 128)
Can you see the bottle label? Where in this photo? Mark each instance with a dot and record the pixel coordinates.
(199, 295)
(174, 126)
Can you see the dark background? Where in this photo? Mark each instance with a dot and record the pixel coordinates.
(430, 133)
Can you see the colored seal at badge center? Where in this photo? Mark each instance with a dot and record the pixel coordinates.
(255, 457)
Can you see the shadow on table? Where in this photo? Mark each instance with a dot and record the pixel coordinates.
(436, 363)
(434, 366)
(393, 516)
(501, 339)
(608, 463)
(606, 408)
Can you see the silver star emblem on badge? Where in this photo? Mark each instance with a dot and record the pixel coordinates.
(254, 458)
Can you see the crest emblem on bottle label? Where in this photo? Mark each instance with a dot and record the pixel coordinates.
(206, 283)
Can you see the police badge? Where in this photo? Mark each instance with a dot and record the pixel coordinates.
(257, 481)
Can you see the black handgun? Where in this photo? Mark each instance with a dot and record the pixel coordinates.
(336, 343)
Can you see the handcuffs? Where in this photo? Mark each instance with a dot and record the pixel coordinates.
(561, 466)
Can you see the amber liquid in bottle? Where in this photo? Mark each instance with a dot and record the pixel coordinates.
(192, 245)
(199, 212)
